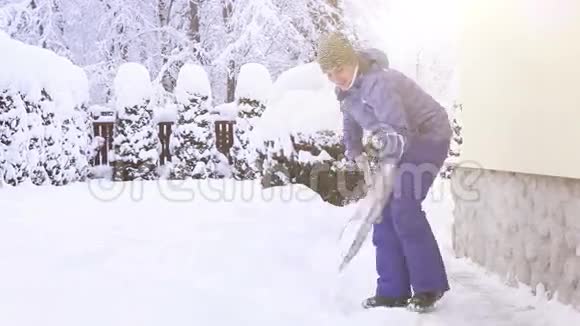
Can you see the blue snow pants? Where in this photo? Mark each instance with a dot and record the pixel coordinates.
(408, 258)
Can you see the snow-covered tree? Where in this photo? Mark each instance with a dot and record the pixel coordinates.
(53, 157)
(38, 22)
(252, 91)
(278, 33)
(191, 141)
(75, 145)
(69, 148)
(41, 91)
(36, 170)
(136, 144)
(13, 137)
(2, 162)
(84, 136)
(81, 130)
(220, 35)
(299, 137)
(242, 153)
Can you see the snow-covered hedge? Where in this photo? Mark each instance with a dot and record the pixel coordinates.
(300, 137)
(45, 135)
(253, 88)
(252, 92)
(136, 144)
(192, 145)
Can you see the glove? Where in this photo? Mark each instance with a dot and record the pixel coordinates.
(386, 146)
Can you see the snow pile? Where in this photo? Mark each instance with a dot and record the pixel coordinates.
(226, 111)
(192, 79)
(306, 77)
(132, 85)
(308, 158)
(43, 110)
(167, 113)
(29, 70)
(101, 113)
(302, 101)
(254, 82)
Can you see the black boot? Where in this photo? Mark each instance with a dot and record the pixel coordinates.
(422, 302)
(378, 301)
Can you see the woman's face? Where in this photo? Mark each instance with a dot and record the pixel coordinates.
(342, 76)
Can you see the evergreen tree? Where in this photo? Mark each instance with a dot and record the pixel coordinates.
(243, 153)
(13, 138)
(52, 157)
(84, 137)
(187, 139)
(252, 91)
(135, 144)
(36, 170)
(69, 148)
(192, 142)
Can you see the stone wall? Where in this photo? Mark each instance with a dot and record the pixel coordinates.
(526, 228)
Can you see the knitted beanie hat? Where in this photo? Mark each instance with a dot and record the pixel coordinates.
(335, 50)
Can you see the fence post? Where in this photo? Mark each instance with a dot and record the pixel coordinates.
(224, 135)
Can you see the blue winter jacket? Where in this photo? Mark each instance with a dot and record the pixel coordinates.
(383, 100)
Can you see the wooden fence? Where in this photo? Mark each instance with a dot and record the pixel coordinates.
(224, 138)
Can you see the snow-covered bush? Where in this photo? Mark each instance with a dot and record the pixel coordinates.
(135, 143)
(301, 136)
(53, 157)
(13, 138)
(66, 126)
(71, 148)
(225, 112)
(41, 92)
(192, 144)
(82, 127)
(84, 136)
(36, 170)
(243, 153)
(252, 91)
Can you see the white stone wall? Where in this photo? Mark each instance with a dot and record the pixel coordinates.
(526, 228)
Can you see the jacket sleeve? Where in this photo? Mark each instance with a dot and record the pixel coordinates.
(391, 132)
(352, 135)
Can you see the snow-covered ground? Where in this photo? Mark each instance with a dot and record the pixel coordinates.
(219, 253)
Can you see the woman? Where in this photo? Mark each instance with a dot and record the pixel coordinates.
(384, 102)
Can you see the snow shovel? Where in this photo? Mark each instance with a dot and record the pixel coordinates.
(370, 208)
